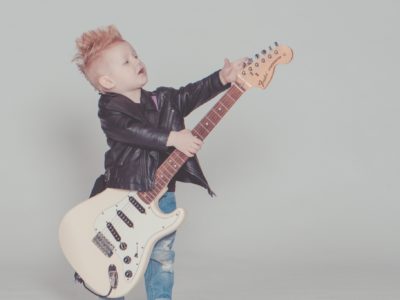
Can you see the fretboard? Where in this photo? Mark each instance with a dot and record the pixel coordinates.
(176, 159)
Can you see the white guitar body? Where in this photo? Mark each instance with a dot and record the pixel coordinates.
(86, 237)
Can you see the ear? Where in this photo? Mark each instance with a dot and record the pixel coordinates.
(106, 82)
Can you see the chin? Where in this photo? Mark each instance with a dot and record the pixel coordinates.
(145, 81)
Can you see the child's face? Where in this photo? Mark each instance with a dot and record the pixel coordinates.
(125, 71)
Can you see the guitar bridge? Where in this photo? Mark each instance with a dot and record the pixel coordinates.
(103, 244)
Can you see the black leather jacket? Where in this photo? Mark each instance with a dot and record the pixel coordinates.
(137, 133)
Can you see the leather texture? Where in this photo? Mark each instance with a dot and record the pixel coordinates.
(137, 133)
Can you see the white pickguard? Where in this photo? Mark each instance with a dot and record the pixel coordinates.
(81, 224)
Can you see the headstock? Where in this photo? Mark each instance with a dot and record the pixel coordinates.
(259, 72)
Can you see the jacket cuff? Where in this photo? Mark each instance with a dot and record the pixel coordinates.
(217, 83)
(160, 141)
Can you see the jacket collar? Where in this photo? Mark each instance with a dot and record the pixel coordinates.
(145, 100)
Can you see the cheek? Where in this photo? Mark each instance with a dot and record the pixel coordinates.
(128, 75)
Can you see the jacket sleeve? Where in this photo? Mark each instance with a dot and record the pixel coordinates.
(191, 96)
(124, 129)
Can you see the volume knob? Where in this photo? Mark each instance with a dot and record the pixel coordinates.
(128, 274)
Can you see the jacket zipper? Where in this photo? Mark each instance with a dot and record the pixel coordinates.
(169, 120)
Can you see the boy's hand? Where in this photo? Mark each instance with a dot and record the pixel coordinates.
(184, 141)
(230, 70)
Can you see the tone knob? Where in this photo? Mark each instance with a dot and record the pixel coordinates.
(128, 274)
(127, 259)
(123, 246)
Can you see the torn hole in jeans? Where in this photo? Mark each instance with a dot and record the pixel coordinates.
(165, 257)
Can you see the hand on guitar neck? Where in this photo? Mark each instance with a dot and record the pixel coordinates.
(185, 142)
(230, 70)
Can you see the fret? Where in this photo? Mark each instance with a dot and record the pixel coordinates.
(151, 193)
(160, 175)
(222, 104)
(228, 101)
(169, 164)
(197, 133)
(232, 98)
(145, 197)
(172, 162)
(180, 154)
(162, 178)
(171, 167)
(214, 117)
(209, 119)
(219, 112)
(201, 132)
(236, 92)
(221, 109)
(156, 190)
(166, 170)
(179, 159)
(159, 187)
(203, 128)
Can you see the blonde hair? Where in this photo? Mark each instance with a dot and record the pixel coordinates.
(90, 44)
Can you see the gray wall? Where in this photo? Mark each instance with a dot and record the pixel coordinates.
(306, 172)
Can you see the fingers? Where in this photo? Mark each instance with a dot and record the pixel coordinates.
(187, 153)
(194, 148)
(198, 141)
(239, 63)
(191, 151)
(190, 144)
(243, 61)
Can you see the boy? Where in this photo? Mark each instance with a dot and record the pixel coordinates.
(142, 128)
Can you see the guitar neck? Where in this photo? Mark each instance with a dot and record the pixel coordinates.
(176, 159)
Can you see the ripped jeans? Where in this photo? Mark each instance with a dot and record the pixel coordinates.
(159, 275)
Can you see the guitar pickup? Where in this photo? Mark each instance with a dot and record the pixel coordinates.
(137, 205)
(125, 218)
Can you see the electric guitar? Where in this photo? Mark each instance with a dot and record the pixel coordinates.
(109, 237)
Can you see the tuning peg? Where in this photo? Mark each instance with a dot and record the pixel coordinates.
(257, 55)
(270, 48)
(276, 44)
(263, 51)
(249, 61)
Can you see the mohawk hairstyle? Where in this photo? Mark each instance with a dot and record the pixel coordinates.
(91, 43)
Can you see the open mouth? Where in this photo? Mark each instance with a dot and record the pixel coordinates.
(141, 71)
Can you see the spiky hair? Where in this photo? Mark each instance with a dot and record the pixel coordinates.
(90, 44)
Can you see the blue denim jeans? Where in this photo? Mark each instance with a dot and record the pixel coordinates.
(159, 275)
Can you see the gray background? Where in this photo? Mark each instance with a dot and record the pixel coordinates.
(306, 172)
